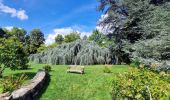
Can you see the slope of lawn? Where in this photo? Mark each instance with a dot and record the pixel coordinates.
(93, 85)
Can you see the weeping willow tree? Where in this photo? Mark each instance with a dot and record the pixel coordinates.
(80, 52)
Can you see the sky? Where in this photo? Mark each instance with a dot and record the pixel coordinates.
(51, 16)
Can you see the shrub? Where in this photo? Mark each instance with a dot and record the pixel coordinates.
(166, 78)
(12, 54)
(107, 69)
(11, 83)
(164, 67)
(140, 84)
(47, 68)
(135, 63)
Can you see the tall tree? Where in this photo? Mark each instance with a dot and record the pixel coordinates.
(85, 37)
(144, 23)
(59, 39)
(72, 37)
(18, 33)
(36, 39)
(27, 44)
(2, 33)
(100, 39)
(113, 22)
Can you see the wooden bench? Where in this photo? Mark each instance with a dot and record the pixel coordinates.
(75, 69)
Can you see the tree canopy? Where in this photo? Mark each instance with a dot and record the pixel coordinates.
(12, 55)
(80, 52)
(72, 37)
(2, 33)
(140, 28)
(36, 39)
(59, 39)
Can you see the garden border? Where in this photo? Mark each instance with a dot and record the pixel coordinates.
(31, 90)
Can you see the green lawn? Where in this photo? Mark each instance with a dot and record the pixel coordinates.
(93, 85)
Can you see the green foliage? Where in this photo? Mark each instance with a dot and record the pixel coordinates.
(79, 52)
(52, 46)
(166, 77)
(107, 69)
(154, 22)
(140, 84)
(18, 33)
(135, 63)
(11, 83)
(41, 48)
(36, 39)
(112, 24)
(2, 33)
(59, 39)
(71, 37)
(27, 44)
(94, 35)
(144, 31)
(100, 39)
(12, 55)
(47, 68)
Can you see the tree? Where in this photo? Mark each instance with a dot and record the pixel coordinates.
(85, 37)
(72, 37)
(113, 22)
(52, 46)
(80, 52)
(36, 39)
(2, 33)
(27, 44)
(145, 26)
(18, 33)
(12, 55)
(95, 35)
(100, 39)
(59, 39)
(154, 44)
(41, 48)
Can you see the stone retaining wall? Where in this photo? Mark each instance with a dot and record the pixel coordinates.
(30, 91)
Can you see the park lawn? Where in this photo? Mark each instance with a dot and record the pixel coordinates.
(93, 85)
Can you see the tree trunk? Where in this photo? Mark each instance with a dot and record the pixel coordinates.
(116, 60)
(1, 72)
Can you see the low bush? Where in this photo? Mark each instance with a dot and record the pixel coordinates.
(164, 67)
(11, 83)
(47, 68)
(26, 67)
(135, 63)
(140, 84)
(107, 69)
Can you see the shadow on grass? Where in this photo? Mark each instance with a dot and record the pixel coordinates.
(45, 86)
(29, 68)
(29, 75)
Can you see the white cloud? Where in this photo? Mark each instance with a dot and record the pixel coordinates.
(21, 14)
(63, 31)
(9, 28)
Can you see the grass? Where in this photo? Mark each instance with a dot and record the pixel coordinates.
(93, 85)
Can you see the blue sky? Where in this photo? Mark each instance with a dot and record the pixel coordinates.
(50, 16)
